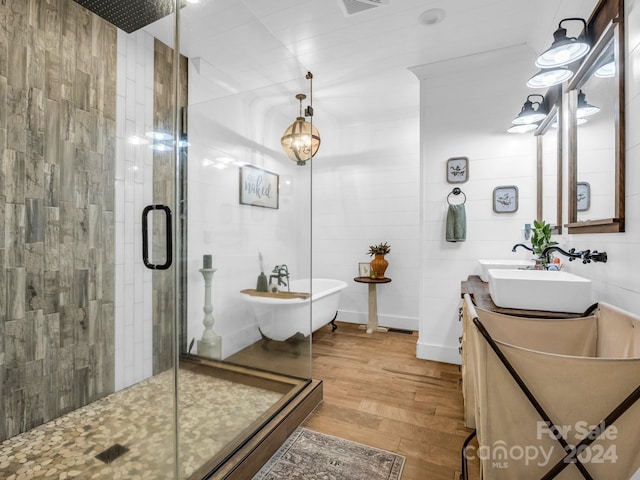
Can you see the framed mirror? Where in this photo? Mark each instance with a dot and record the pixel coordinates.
(549, 165)
(596, 133)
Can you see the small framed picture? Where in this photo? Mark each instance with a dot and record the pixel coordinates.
(364, 269)
(457, 169)
(505, 199)
(584, 196)
(259, 187)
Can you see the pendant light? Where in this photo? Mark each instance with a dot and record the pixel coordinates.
(585, 109)
(301, 139)
(547, 77)
(564, 50)
(531, 112)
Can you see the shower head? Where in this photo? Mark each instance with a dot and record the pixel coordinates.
(129, 15)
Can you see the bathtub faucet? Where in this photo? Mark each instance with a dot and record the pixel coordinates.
(587, 256)
(281, 274)
(515, 247)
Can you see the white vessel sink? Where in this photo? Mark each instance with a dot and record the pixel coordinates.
(486, 264)
(540, 290)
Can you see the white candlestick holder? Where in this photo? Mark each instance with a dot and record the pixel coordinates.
(211, 344)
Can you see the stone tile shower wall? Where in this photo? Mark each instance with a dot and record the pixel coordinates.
(57, 145)
(164, 192)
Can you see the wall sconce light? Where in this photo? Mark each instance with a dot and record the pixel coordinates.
(564, 50)
(607, 69)
(301, 139)
(548, 77)
(531, 112)
(585, 109)
(522, 128)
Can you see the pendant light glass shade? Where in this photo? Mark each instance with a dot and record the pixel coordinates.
(530, 114)
(548, 77)
(522, 128)
(564, 50)
(606, 70)
(585, 109)
(300, 141)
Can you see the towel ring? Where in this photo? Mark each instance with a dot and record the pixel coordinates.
(456, 191)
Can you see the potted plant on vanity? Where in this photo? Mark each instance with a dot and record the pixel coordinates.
(541, 239)
(379, 264)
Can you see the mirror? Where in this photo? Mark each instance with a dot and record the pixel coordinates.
(549, 167)
(596, 138)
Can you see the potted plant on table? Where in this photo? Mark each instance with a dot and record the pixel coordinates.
(379, 264)
(541, 239)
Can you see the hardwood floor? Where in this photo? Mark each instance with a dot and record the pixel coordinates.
(377, 392)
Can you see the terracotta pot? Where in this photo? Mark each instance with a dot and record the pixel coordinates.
(379, 265)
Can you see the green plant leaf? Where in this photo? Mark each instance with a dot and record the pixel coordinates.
(380, 249)
(541, 237)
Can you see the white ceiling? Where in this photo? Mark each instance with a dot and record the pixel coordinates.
(360, 62)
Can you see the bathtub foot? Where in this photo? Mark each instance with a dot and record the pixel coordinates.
(265, 340)
(333, 322)
(292, 343)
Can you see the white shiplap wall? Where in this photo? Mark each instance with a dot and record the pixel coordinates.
(365, 190)
(466, 106)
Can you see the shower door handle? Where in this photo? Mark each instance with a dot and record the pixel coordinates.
(145, 237)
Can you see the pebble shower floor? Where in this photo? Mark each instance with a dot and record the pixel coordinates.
(212, 412)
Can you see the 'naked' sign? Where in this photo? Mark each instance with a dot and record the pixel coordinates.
(258, 187)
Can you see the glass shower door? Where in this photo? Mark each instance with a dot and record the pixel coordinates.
(244, 224)
(144, 333)
(127, 244)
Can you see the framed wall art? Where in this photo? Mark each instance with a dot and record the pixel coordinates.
(505, 199)
(583, 190)
(364, 269)
(258, 187)
(457, 169)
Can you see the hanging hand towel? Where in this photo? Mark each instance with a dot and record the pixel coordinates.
(456, 230)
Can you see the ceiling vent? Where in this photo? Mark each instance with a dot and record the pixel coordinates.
(357, 6)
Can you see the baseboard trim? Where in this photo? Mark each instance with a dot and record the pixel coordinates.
(391, 321)
(438, 353)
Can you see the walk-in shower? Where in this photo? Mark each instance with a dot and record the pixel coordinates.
(120, 183)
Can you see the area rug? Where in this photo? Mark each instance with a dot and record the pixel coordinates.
(309, 455)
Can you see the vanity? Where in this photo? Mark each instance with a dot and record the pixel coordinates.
(524, 377)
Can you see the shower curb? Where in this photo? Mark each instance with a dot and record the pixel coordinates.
(250, 458)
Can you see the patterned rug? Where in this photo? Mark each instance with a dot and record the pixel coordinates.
(309, 455)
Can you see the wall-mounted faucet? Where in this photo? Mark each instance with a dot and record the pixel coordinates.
(281, 274)
(587, 256)
(526, 247)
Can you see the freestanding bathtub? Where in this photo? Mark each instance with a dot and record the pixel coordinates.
(280, 319)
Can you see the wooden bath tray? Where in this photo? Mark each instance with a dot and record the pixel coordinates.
(286, 295)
